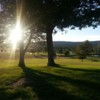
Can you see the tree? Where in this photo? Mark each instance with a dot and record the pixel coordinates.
(30, 33)
(48, 14)
(84, 49)
(97, 49)
(38, 46)
(6, 17)
(9, 19)
(67, 53)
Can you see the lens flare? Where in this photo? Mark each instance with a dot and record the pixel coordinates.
(15, 35)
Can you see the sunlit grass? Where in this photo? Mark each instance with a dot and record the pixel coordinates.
(72, 80)
(86, 64)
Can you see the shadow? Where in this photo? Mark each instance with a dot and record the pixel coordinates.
(78, 69)
(93, 74)
(4, 95)
(56, 65)
(8, 93)
(42, 84)
(48, 86)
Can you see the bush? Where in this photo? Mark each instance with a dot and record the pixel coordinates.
(82, 57)
(66, 53)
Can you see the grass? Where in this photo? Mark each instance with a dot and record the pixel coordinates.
(72, 80)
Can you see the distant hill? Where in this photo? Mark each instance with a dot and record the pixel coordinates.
(71, 44)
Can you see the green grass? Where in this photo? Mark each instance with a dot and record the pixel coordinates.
(72, 80)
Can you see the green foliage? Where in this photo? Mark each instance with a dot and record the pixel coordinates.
(82, 56)
(97, 49)
(39, 46)
(84, 49)
(63, 13)
(67, 53)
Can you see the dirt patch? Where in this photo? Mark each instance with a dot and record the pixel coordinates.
(21, 82)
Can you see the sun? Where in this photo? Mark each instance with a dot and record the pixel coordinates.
(15, 35)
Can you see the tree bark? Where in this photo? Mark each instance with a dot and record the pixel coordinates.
(23, 51)
(50, 48)
(21, 55)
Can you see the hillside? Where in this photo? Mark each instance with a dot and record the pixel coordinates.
(71, 44)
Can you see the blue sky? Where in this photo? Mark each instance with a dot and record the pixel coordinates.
(78, 35)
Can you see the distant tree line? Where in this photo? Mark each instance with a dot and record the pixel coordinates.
(86, 46)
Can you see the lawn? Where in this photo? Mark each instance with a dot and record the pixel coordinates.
(72, 80)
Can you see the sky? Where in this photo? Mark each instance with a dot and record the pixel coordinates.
(78, 35)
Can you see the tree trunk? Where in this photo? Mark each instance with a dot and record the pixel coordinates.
(50, 48)
(21, 55)
(23, 51)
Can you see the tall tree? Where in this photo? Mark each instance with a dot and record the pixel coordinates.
(48, 14)
(84, 49)
(11, 13)
(30, 31)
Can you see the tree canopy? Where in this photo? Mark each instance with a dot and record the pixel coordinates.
(64, 13)
(85, 48)
(7, 13)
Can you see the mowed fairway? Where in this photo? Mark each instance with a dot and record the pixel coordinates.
(71, 80)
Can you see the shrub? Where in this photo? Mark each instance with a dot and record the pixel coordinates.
(66, 53)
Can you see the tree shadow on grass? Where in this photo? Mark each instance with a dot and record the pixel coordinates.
(45, 90)
(85, 79)
(86, 73)
(41, 83)
(79, 69)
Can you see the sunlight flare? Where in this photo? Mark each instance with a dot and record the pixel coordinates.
(15, 35)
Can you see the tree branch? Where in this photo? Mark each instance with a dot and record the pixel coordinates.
(29, 40)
